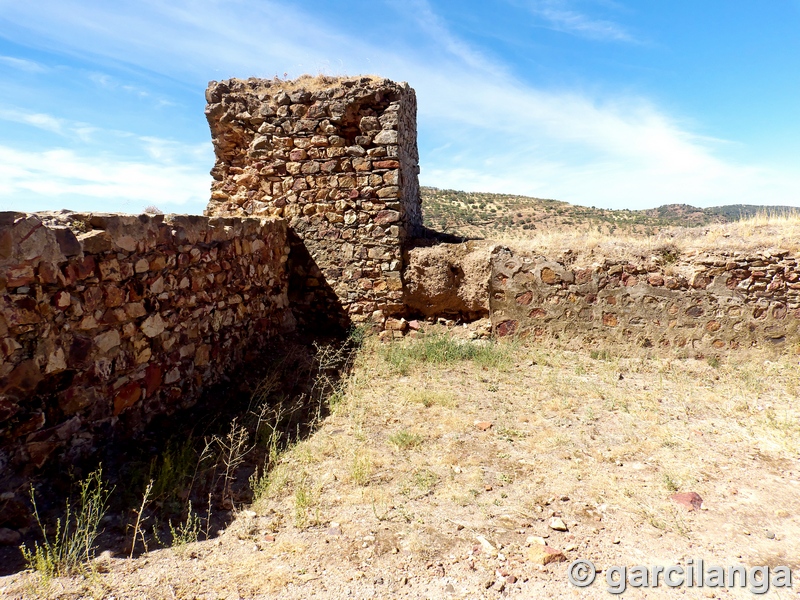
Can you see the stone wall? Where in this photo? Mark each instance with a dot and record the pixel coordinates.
(108, 320)
(709, 303)
(337, 158)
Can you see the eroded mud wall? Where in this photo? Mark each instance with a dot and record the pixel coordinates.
(706, 303)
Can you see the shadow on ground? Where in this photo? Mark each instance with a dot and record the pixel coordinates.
(201, 459)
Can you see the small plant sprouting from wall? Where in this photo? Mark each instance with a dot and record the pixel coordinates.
(669, 253)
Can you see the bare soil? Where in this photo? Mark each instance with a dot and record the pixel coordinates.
(433, 480)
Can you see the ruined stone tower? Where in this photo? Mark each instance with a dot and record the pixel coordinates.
(337, 158)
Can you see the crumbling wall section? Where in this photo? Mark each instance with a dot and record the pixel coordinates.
(109, 320)
(337, 158)
(708, 303)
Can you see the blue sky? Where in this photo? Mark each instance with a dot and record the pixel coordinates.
(609, 103)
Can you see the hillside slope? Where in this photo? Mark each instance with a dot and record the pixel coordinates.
(475, 214)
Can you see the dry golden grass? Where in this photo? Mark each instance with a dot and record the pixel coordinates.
(767, 231)
(312, 83)
(357, 509)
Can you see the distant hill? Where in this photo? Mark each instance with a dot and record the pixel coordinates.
(477, 214)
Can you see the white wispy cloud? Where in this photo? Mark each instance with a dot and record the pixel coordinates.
(102, 168)
(38, 120)
(106, 81)
(59, 178)
(560, 16)
(436, 29)
(173, 152)
(22, 64)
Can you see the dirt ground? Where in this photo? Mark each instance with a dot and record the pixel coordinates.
(438, 475)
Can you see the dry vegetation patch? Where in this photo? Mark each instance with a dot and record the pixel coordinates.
(444, 459)
(754, 235)
(551, 227)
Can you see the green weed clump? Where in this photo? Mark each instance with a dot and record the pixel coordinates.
(439, 349)
(72, 546)
(404, 440)
(186, 532)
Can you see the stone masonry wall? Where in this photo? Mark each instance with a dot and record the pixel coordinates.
(337, 158)
(108, 320)
(721, 301)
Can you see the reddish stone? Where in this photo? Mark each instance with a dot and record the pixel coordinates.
(158, 263)
(631, 281)
(8, 409)
(126, 397)
(414, 325)
(583, 276)
(114, 296)
(525, 298)
(694, 311)
(610, 320)
(689, 500)
(386, 217)
(152, 378)
(75, 399)
(655, 280)
(483, 425)
(34, 423)
(20, 276)
(92, 298)
(126, 270)
(79, 352)
(537, 313)
(49, 274)
(507, 328)
(113, 316)
(713, 326)
(39, 452)
(85, 268)
(24, 378)
(61, 299)
(386, 164)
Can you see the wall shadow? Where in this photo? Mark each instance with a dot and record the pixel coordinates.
(282, 387)
(430, 237)
(313, 301)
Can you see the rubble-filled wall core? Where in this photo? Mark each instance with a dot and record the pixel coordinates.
(109, 320)
(337, 158)
(708, 303)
